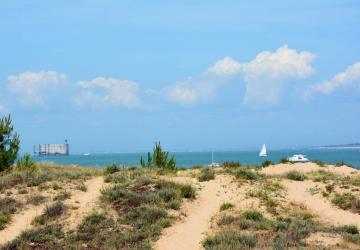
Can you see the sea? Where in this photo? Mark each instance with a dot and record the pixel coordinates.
(350, 156)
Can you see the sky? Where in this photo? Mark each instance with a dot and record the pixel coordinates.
(116, 76)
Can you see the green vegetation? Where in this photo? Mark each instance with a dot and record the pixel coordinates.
(50, 213)
(253, 215)
(9, 143)
(230, 239)
(45, 173)
(284, 160)
(206, 174)
(63, 195)
(231, 164)
(35, 199)
(295, 175)
(159, 159)
(113, 168)
(267, 163)
(245, 173)
(8, 206)
(226, 205)
(319, 163)
(250, 229)
(346, 201)
(26, 163)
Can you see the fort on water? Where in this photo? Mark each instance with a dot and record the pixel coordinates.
(52, 149)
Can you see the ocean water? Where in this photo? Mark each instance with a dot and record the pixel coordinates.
(187, 159)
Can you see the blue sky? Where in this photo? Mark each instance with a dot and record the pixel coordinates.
(197, 75)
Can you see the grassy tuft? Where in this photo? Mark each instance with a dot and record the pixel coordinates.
(206, 174)
(226, 205)
(295, 175)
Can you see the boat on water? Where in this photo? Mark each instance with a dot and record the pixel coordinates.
(298, 158)
(213, 164)
(263, 152)
(86, 154)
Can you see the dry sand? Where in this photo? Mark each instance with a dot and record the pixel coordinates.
(298, 192)
(85, 201)
(188, 233)
(280, 169)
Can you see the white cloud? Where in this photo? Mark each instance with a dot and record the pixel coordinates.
(226, 66)
(112, 91)
(264, 77)
(31, 88)
(349, 77)
(268, 73)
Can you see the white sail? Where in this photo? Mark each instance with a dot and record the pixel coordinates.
(263, 151)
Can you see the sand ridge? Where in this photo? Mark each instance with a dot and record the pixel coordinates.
(85, 202)
(189, 232)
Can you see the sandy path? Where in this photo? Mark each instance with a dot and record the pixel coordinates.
(86, 201)
(188, 233)
(297, 191)
(19, 223)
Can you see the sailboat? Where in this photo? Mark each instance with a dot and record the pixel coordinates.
(263, 151)
(213, 164)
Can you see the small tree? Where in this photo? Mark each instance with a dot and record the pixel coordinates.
(9, 143)
(159, 159)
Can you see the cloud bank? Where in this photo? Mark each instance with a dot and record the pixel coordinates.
(264, 77)
(103, 91)
(32, 88)
(348, 78)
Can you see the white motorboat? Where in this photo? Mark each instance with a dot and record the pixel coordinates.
(86, 154)
(298, 158)
(263, 152)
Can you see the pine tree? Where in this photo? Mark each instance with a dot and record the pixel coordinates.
(9, 143)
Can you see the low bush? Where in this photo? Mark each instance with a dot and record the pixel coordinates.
(50, 213)
(226, 205)
(26, 163)
(295, 175)
(187, 191)
(253, 215)
(206, 174)
(229, 240)
(231, 164)
(267, 163)
(8, 206)
(35, 199)
(111, 169)
(247, 174)
(63, 195)
(319, 163)
(346, 201)
(284, 160)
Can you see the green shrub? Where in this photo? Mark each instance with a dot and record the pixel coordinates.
(159, 159)
(64, 195)
(4, 219)
(319, 163)
(226, 220)
(226, 205)
(350, 229)
(10, 143)
(54, 210)
(253, 215)
(187, 191)
(231, 164)
(26, 163)
(247, 174)
(206, 174)
(295, 175)
(35, 199)
(284, 160)
(22, 191)
(229, 240)
(346, 201)
(111, 169)
(82, 187)
(55, 186)
(267, 163)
